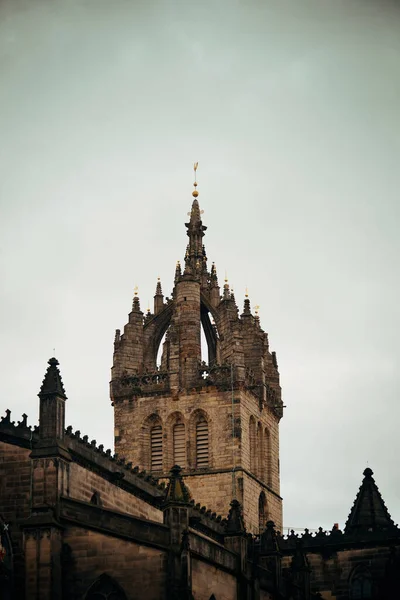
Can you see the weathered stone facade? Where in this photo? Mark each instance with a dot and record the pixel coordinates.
(78, 522)
(237, 394)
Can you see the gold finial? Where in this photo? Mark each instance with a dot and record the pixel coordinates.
(256, 309)
(246, 294)
(195, 193)
(158, 279)
(135, 290)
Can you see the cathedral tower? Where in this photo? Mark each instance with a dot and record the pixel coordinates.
(219, 421)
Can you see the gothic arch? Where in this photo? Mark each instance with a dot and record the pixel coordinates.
(253, 445)
(197, 417)
(150, 424)
(268, 456)
(260, 452)
(154, 331)
(263, 516)
(105, 588)
(360, 583)
(176, 421)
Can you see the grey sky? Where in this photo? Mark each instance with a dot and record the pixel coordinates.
(292, 109)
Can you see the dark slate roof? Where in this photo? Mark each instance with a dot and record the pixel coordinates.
(52, 382)
(369, 512)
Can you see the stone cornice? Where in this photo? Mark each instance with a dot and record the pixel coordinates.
(88, 516)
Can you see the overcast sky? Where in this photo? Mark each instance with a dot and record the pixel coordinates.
(292, 109)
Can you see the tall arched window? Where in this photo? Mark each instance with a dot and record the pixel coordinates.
(105, 588)
(179, 439)
(202, 443)
(156, 450)
(262, 512)
(253, 445)
(360, 584)
(267, 457)
(260, 453)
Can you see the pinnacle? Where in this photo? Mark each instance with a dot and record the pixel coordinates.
(158, 288)
(52, 382)
(368, 512)
(177, 490)
(195, 215)
(235, 523)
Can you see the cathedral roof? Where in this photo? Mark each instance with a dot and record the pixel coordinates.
(52, 382)
(368, 512)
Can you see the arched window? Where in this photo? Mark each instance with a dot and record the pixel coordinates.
(156, 450)
(253, 445)
(105, 588)
(267, 457)
(202, 443)
(262, 512)
(360, 584)
(260, 453)
(179, 445)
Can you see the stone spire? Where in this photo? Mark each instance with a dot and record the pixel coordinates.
(158, 298)
(195, 253)
(246, 307)
(52, 383)
(135, 301)
(52, 413)
(369, 512)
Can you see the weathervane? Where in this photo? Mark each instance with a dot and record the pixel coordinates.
(195, 193)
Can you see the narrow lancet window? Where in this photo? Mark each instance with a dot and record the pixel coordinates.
(156, 448)
(202, 444)
(179, 445)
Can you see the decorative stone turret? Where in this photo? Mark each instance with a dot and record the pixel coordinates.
(212, 393)
(51, 414)
(158, 298)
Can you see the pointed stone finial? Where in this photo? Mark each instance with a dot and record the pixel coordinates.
(117, 336)
(176, 491)
(226, 293)
(246, 307)
(158, 287)
(235, 521)
(178, 271)
(269, 540)
(136, 301)
(52, 383)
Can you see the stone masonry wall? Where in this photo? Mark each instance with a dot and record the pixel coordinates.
(83, 483)
(134, 419)
(139, 570)
(251, 493)
(208, 580)
(15, 488)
